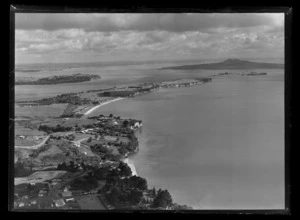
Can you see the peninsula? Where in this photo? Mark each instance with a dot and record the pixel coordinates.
(77, 161)
(81, 103)
(56, 79)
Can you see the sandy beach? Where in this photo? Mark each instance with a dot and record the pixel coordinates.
(131, 165)
(97, 106)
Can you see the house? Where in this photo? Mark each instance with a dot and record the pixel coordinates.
(66, 193)
(21, 204)
(59, 203)
(55, 180)
(25, 197)
(38, 137)
(34, 202)
(42, 193)
(70, 200)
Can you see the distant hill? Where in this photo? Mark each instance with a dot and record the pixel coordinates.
(229, 64)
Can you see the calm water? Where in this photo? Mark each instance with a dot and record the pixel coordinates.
(214, 146)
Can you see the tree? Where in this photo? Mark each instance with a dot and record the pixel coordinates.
(111, 115)
(29, 187)
(122, 150)
(137, 182)
(125, 123)
(62, 166)
(162, 199)
(154, 192)
(135, 197)
(124, 169)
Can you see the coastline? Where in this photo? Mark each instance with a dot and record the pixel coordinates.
(131, 165)
(97, 106)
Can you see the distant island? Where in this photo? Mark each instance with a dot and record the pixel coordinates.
(240, 74)
(229, 64)
(56, 79)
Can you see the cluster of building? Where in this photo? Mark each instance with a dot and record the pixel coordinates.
(174, 84)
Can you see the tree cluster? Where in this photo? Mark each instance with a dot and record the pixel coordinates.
(71, 167)
(162, 199)
(58, 128)
(127, 191)
(86, 182)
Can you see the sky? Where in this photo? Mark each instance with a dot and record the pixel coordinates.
(94, 37)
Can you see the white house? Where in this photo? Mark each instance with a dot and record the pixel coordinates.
(70, 199)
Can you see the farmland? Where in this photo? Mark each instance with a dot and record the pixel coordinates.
(90, 202)
(39, 176)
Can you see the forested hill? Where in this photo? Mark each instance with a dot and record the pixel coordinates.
(229, 64)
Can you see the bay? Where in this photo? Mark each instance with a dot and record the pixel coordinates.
(215, 146)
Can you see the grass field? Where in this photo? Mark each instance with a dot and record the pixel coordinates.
(26, 142)
(80, 121)
(53, 150)
(90, 202)
(43, 111)
(40, 176)
(22, 153)
(20, 130)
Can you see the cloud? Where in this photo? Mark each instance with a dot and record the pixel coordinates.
(178, 22)
(123, 36)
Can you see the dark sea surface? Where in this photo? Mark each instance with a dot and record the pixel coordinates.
(219, 145)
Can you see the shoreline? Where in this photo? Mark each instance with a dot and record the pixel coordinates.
(131, 165)
(97, 106)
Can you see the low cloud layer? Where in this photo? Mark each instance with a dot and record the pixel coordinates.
(130, 36)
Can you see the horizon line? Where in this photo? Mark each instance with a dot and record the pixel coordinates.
(154, 61)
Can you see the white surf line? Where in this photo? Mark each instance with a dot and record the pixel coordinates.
(97, 106)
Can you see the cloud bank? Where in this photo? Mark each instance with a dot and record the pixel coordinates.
(148, 36)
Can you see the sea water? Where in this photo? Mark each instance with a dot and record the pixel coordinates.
(219, 145)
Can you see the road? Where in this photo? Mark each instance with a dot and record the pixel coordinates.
(34, 146)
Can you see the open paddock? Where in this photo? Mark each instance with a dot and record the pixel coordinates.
(21, 153)
(27, 142)
(71, 122)
(80, 136)
(40, 176)
(45, 111)
(90, 202)
(21, 130)
(93, 142)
